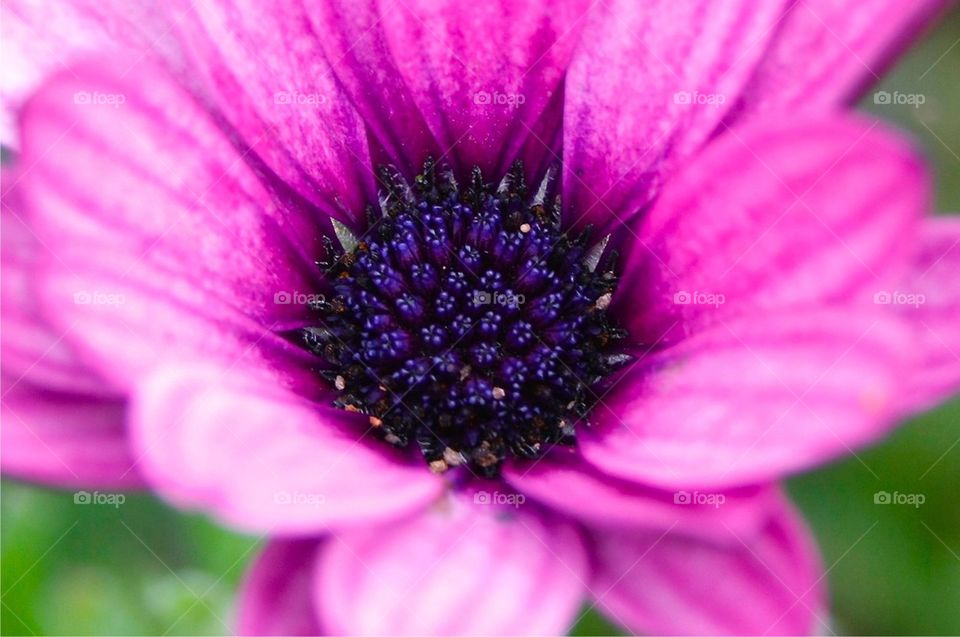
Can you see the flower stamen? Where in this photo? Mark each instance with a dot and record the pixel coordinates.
(468, 324)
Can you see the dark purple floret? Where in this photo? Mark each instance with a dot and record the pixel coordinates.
(468, 323)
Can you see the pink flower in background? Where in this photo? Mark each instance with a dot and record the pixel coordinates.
(597, 429)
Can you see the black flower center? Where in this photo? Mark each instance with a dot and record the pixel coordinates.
(467, 323)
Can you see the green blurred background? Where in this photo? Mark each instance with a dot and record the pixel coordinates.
(143, 568)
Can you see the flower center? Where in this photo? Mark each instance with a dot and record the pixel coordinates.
(467, 323)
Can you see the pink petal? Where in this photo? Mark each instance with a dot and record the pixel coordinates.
(65, 440)
(826, 52)
(233, 443)
(356, 47)
(43, 38)
(31, 349)
(481, 74)
(823, 209)
(463, 568)
(569, 485)
(650, 84)
(164, 241)
(62, 424)
(262, 67)
(934, 290)
(751, 399)
(277, 595)
(665, 583)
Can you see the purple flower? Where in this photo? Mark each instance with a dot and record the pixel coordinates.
(231, 277)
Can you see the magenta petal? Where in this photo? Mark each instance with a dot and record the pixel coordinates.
(230, 441)
(65, 440)
(820, 210)
(933, 287)
(461, 568)
(577, 489)
(650, 84)
(276, 597)
(664, 583)
(751, 399)
(32, 350)
(42, 38)
(164, 241)
(481, 74)
(62, 424)
(262, 66)
(826, 52)
(355, 45)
